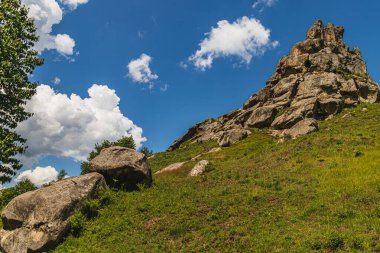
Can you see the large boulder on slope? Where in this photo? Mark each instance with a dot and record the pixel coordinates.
(122, 168)
(232, 136)
(303, 127)
(37, 221)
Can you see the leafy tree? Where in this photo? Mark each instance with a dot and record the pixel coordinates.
(17, 61)
(61, 175)
(6, 195)
(125, 141)
(146, 151)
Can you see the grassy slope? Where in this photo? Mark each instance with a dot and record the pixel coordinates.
(319, 191)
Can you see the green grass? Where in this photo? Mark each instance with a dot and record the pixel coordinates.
(319, 193)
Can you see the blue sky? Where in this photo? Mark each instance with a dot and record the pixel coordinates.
(110, 34)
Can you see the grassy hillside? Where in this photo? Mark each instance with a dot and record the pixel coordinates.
(318, 193)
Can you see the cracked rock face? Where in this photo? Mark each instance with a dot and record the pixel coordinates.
(320, 77)
(37, 221)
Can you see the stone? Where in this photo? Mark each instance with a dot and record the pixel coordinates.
(261, 117)
(296, 112)
(319, 77)
(37, 221)
(199, 168)
(330, 106)
(122, 168)
(303, 127)
(214, 150)
(232, 136)
(171, 168)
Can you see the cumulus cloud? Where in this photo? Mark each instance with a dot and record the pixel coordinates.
(139, 70)
(46, 14)
(39, 176)
(244, 38)
(69, 126)
(64, 44)
(73, 4)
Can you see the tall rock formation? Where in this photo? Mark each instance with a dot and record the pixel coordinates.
(319, 77)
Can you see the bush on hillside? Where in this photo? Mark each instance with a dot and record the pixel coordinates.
(146, 151)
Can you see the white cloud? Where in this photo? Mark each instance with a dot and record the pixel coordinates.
(264, 3)
(244, 38)
(57, 80)
(46, 14)
(39, 176)
(73, 4)
(139, 70)
(64, 44)
(69, 126)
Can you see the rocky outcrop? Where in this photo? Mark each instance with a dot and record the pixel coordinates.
(199, 168)
(320, 77)
(171, 168)
(37, 221)
(122, 168)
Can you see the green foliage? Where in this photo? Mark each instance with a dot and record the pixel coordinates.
(335, 242)
(77, 222)
(305, 195)
(61, 175)
(146, 151)
(17, 60)
(105, 197)
(89, 211)
(125, 141)
(6, 195)
(91, 208)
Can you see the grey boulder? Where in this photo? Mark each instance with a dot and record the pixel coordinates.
(122, 168)
(37, 221)
(303, 127)
(232, 136)
(199, 168)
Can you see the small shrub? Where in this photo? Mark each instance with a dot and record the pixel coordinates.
(146, 151)
(335, 242)
(358, 153)
(91, 208)
(316, 246)
(77, 222)
(209, 167)
(105, 197)
(358, 244)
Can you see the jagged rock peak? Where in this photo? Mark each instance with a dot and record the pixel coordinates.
(320, 76)
(330, 33)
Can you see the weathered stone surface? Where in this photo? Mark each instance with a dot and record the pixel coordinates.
(37, 221)
(232, 136)
(320, 77)
(303, 127)
(199, 168)
(171, 168)
(122, 167)
(261, 117)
